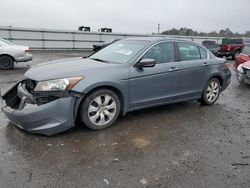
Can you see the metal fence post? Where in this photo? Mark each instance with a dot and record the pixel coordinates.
(9, 32)
(100, 36)
(73, 40)
(43, 39)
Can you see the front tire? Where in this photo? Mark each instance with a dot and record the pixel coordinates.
(235, 55)
(100, 109)
(211, 92)
(6, 62)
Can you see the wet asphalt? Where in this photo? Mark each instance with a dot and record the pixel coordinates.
(178, 145)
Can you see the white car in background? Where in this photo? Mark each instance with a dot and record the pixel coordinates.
(10, 53)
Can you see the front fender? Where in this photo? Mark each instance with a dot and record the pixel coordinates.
(91, 87)
(122, 88)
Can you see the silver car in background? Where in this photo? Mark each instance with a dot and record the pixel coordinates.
(10, 53)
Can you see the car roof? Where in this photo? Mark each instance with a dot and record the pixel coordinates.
(159, 39)
(150, 39)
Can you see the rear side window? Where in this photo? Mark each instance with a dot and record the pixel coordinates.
(162, 53)
(208, 43)
(232, 41)
(203, 53)
(188, 51)
(237, 41)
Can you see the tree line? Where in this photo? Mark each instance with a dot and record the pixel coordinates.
(190, 32)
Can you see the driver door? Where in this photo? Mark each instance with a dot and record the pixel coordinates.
(155, 85)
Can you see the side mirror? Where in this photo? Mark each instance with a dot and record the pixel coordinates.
(146, 63)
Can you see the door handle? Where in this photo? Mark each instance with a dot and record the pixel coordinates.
(173, 69)
(206, 64)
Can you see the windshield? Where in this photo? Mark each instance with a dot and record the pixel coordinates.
(120, 52)
(246, 50)
(6, 41)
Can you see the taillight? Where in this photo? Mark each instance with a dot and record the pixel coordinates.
(228, 65)
(229, 47)
(27, 50)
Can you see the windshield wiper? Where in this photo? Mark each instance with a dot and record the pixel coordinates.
(101, 60)
(87, 56)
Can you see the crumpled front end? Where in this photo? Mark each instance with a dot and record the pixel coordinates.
(244, 75)
(39, 112)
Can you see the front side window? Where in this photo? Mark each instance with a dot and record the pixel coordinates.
(162, 53)
(188, 51)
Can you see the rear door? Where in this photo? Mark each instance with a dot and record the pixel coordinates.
(193, 66)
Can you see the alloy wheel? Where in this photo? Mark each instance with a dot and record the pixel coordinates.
(212, 92)
(102, 110)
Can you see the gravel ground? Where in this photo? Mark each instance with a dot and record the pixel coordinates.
(178, 145)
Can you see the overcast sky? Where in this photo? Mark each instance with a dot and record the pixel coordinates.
(130, 16)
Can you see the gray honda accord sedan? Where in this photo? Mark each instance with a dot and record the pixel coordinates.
(128, 75)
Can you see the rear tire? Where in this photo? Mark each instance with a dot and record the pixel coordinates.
(211, 92)
(6, 62)
(100, 109)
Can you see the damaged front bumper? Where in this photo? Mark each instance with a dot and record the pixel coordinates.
(243, 77)
(30, 112)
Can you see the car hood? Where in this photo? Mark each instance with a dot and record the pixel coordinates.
(66, 68)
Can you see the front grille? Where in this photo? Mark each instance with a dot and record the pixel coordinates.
(43, 97)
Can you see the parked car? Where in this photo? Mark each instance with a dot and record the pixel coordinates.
(243, 73)
(128, 75)
(243, 56)
(242, 65)
(231, 47)
(212, 46)
(10, 53)
(103, 45)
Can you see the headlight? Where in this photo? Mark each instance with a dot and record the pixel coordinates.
(58, 84)
(239, 69)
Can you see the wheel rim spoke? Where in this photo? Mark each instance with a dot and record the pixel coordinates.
(209, 89)
(92, 109)
(94, 117)
(215, 86)
(98, 100)
(109, 114)
(111, 106)
(106, 100)
(102, 119)
(209, 96)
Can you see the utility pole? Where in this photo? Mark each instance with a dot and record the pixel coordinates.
(159, 25)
